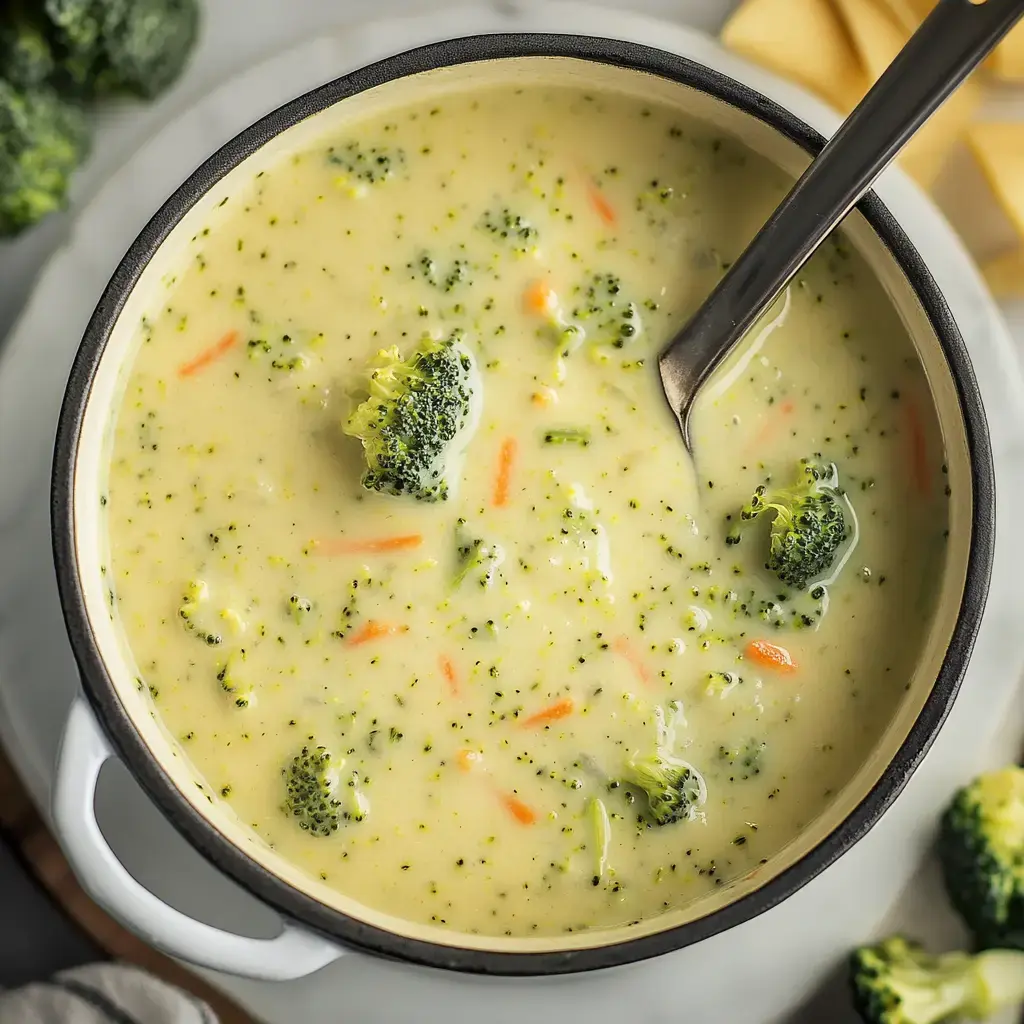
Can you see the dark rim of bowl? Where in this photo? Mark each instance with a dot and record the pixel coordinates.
(229, 858)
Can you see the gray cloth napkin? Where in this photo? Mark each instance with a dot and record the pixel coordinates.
(102, 994)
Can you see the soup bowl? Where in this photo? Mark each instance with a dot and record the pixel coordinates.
(115, 718)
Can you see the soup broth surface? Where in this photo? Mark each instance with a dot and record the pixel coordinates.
(479, 714)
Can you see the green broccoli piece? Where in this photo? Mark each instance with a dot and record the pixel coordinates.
(364, 167)
(569, 435)
(607, 316)
(981, 847)
(743, 762)
(458, 272)
(674, 789)
(809, 525)
(232, 679)
(602, 833)
(420, 415)
(133, 46)
(897, 982)
(311, 784)
(43, 138)
(26, 58)
(512, 228)
(475, 556)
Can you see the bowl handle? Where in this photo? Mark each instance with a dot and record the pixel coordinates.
(292, 954)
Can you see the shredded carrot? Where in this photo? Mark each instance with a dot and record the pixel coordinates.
(449, 673)
(208, 355)
(522, 812)
(918, 448)
(375, 630)
(560, 709)
(599, 202)
(625, 649)
(506, 459)
(544, 397)
(372, 546)
(540, 298)
(468, 759)
(771, 656)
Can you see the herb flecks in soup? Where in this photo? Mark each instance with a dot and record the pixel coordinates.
(412, 560)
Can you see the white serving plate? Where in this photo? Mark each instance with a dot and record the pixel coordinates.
(755, 974)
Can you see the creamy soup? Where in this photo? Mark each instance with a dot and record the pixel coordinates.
(563, 683)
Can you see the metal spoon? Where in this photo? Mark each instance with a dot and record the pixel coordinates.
(951, 42)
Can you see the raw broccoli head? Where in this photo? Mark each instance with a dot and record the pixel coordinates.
(981, 847)
(135, 46)
(43, 138)
(26, 59)
(809, 525)
(897, 982)
(674, 790)
(311, 782)
(418, 418)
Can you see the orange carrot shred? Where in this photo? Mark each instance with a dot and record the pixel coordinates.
(782, 411)
(599, 202)
(918, 448)
(625, 649)
(208, 355)
(372, 546)
(449, 673)
(468, 759)
(540, 298)
(771, 656)
(375, 630)
(560, 709)
(506, 459)
(522, 812)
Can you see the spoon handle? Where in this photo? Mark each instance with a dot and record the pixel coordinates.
(951, 42)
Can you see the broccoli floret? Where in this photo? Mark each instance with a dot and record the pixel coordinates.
(675, 790)
(134, 46)
(981, 848)
(420, 415)
(316, 796)
(43, 138)
(897, 982)
(26, 58)
(809, 525)
(311, 782)
(606, 314)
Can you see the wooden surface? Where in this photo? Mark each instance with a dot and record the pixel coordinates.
(30, 837)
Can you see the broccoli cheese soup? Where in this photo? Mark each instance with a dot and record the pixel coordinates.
(413, 563)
